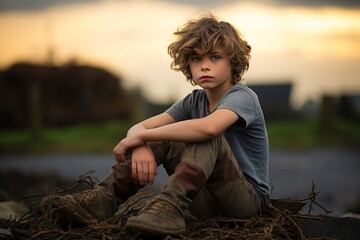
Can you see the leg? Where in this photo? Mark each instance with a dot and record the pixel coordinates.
(205, 172)
(227, 191)
(96, 204)
(209, 181)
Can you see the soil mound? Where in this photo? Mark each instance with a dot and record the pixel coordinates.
(274, 223)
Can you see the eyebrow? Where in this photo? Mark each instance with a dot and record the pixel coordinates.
(197, 52)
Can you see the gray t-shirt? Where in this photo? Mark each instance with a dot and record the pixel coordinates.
(247, 137)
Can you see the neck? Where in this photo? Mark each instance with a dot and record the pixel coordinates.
(214, 95)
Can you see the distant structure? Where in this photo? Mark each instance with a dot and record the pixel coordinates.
(60, 95)
(349, 106)
(275, 100)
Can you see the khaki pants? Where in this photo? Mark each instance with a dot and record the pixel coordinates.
(206, 179)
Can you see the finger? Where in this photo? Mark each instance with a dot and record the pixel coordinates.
(140, 173)
(151, 173)
(156, 168)
(119, 158)
(121, 153)
(146, 173)
(116, 155)
(134, 169)
(122, 157)
(116, 158)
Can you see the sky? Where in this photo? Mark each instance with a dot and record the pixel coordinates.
(313, 44)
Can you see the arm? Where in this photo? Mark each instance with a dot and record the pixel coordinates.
(164, 128)
(194, 130)
(132, 140)
(144, 165)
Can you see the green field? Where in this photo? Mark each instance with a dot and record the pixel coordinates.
(87, 138)
(76, 139)
(307, 134)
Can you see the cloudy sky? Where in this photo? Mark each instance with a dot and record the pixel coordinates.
(34, 5)
(314, 44)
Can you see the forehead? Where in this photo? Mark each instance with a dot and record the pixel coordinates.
(217, 49)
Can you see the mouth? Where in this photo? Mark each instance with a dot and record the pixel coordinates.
(205, 78)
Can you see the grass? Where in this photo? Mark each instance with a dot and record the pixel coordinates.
(308, 134)
(81, 138)
(103, 137)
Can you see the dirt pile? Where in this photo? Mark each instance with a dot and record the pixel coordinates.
(274, 223)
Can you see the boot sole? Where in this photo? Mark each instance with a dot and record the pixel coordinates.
(134, 227)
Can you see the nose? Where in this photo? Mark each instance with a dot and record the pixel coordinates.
(205, 65)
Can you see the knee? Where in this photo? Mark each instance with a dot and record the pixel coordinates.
(191, 177)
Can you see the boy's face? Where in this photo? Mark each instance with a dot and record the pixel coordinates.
(211, 70)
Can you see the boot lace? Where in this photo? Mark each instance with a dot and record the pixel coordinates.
(159, 206)
(87, 195)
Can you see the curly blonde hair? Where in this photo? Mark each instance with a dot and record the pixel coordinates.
(206, 34)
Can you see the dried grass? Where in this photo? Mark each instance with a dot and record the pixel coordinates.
(274, 223)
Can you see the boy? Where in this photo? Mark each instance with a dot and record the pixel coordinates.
(213, 143)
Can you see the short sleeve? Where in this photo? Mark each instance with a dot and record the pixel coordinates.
(180, 109)
(241, 102)
(191, 107)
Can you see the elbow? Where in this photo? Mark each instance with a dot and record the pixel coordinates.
(210, 132)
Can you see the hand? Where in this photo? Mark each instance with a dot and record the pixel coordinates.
(124, 145)
(143, 165)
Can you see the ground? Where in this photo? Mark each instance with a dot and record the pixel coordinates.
(274, 223)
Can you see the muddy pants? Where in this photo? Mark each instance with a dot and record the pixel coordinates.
(204, 177)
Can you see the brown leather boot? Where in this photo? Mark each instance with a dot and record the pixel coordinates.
(80, 208)
(160, 217)
(165, 214)
(99, 204)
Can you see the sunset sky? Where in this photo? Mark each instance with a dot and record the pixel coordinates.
(315, 44)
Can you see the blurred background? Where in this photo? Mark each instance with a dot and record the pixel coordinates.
(76, 74)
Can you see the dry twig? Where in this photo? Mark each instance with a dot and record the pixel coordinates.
(273, 223)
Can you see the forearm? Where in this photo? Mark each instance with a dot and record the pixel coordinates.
(193, 130)
(153, 122)
(164, 128)
(184, 131)
(135, 129)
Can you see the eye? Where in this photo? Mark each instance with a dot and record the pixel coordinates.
(195, 58)
(215, 57)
